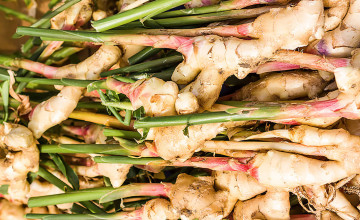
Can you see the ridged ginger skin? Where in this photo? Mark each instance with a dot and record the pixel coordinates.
(159, 209)
(183, 146)
(117, 173)
(11, 211)
(335, 13)
(186, 103)
(240, 185)
(341, 41)
(77, 15)
(217, 58)
(282, 86)
(195, 197)
(337, 145)
(274, 204)
(20, 156)
(154, 94)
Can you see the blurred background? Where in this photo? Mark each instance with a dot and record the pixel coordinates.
(8, 24)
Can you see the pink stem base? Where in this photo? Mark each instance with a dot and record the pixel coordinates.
(286, 60)
(213, 163)
(45, 70)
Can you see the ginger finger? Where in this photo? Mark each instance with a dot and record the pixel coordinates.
(20, 156)
(282, 86)
(342, 40)
(275, 204)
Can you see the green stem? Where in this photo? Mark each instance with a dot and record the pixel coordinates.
(223, 6)
(196, 119)
(64, 187)
(28, 45)
(143, 12)
(62, 54)
(135, 189)
(6, 60)
(119, 216)
(213, 163)
(14, 104)
(23, 85)
(17, 14)
(143, 55)
(53, 179)
(121, 133)
(69, 197)
(122, 105)
(27, 73)
(164, 75)
(128, 117)
(44, 81)
(130, 160)
(200, 19)
(61, 35)
(245, 111)
(110, 149)
(162, 62)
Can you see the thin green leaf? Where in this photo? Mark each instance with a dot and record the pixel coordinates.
(124, 79)
(66, 170)
(186, 131)
(63, 186)
(107, 181)
(79, 209)
(113, 97)
(5, 96)
(139, 113)
(120, 105)
(104, 98)
(59, 162)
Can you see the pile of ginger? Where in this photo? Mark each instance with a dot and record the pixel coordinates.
(294, 52)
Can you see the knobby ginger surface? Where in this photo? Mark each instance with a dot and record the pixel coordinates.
(216, 58)
(19, 156)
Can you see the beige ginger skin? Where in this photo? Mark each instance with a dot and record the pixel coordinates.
(274, 204)
(282, 86)
(212, 59)
(58, 108)
(19, 156)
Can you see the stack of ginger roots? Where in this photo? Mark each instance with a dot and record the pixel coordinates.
(299, 164)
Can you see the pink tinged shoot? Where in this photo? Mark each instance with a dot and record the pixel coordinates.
(288, 60)
(137, 189)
